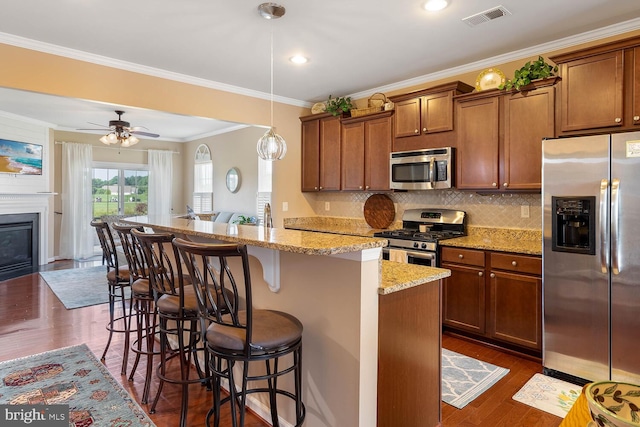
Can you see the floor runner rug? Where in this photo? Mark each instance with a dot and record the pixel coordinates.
(71, 376)
(549, 394)
(465, 378)
(79, 287)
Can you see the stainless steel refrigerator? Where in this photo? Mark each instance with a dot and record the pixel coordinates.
(591, 257)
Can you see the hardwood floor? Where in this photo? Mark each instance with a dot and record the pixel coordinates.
(33, 320)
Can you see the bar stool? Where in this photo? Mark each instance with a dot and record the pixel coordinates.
(142, 305)
(242, 335)
(118, 279)
(178, 315)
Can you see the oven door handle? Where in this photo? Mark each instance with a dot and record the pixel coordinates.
(415, 254)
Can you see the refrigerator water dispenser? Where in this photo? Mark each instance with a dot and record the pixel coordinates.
(573, 224)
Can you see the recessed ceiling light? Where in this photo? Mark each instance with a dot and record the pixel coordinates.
(299, 59)
(435, 5)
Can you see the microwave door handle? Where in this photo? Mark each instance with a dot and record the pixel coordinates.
(432, 172)
(615, 208)
(604, 254)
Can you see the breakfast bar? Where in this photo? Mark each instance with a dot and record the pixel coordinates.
(347, 299)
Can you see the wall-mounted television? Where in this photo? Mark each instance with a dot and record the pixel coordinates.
(20, 158)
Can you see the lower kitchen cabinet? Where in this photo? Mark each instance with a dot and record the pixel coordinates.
(463, 293)
(494, 296)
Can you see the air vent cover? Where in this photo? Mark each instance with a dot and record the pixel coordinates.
(487, 15)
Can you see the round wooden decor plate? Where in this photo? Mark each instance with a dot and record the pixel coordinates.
(379, 211)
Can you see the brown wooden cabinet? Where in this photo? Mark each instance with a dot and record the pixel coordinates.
(320, 152)
(600, 88)
(494, 296)
(366, 145)
(515, 308)
(500, 137)
(463, 293)
(423, 118)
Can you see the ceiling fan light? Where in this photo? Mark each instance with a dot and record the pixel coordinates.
(271, 146)
(104, 140)
(112, 138)
(133, 140)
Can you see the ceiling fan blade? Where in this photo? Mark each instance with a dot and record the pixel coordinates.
(101, 129)
(99, 125)
(149, 134)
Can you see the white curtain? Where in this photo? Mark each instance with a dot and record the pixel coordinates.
(76, 233)
(160, 182)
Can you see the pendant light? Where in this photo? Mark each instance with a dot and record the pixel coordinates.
(271, 146)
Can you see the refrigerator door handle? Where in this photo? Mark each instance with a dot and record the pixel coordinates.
(604, 253)
(615, 207)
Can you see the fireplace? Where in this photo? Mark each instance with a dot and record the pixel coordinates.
(19, 244)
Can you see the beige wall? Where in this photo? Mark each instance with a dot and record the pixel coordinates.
(233, 149)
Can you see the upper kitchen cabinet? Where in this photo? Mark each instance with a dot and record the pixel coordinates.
(600, 88)
(500, 137)
(366, 146)
(424, 118)
(320, 152)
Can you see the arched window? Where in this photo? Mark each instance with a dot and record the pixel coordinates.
(202, 180)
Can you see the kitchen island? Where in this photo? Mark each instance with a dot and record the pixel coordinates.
(347, 300)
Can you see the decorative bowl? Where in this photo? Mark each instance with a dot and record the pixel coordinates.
(614, 404)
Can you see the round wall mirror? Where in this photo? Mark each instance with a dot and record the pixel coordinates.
(233, 180)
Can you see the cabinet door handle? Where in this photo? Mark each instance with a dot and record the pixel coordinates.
(315, 188)
(505, 185)
(360, 187)
(424, 130)
(492, 275)
(493, 184)
(416, 131)
(515, 264)
(460, 256)
(321, 188)
(366, 187)
(618, 120)
(636, 118)
(480, 273)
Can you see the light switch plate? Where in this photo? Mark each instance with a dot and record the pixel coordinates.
(327, 206)
(524, 211)
(285, 206)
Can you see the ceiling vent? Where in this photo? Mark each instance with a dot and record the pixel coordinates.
(487, 15)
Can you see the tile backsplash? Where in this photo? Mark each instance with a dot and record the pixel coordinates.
(490, 210)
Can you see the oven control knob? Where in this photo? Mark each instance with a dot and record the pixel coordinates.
(416, 244)
(423, 246)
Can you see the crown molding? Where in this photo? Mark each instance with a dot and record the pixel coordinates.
(79, 55)
(590, 36)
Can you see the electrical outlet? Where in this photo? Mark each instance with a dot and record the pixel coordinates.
(285, 206)
(327, 206)
(524, 211)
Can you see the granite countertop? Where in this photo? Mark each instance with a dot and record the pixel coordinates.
(296, 241)
(397, 276)
(336, 225)
(520, 241)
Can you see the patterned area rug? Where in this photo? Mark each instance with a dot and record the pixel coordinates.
(549, 394)
(79, 287)
(75, 377)
(465, 378)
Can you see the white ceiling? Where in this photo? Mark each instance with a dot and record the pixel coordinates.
(355, 47)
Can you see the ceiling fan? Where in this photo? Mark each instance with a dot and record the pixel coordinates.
(121, 132)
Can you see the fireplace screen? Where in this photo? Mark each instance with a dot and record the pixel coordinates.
(18, 245)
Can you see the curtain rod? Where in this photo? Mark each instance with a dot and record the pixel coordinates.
(117, 148)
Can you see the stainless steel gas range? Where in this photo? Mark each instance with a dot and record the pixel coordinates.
(417, 241)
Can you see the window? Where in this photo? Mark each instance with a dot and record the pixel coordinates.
(119, 190)
(203, 180)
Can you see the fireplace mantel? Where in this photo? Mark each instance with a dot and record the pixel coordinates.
(36, 202)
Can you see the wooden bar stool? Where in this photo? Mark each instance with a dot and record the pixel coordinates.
(142, 305)
(238, 333)
(178, 315)
(118, 279)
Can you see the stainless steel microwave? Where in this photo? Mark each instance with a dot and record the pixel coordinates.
(429, 169)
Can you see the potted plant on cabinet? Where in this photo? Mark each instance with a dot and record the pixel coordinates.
(536, 70)
(339, 105)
